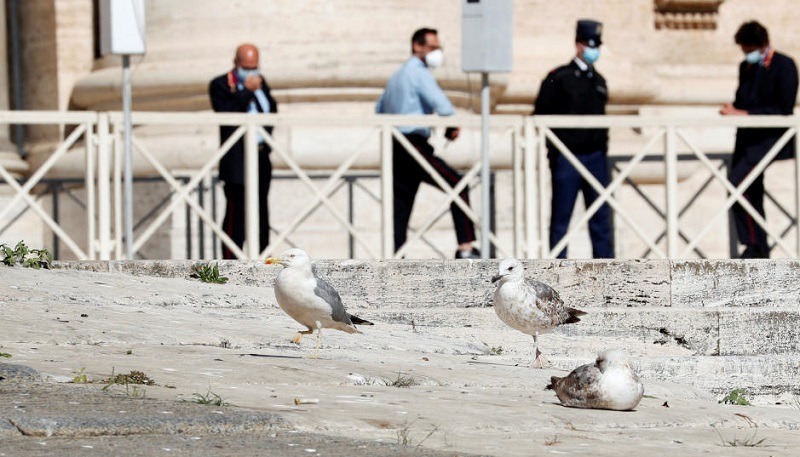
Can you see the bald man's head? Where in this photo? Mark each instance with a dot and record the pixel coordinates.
(246, 56)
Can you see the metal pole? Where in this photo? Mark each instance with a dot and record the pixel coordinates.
(128, 177)
(485, 170)
(16, 75)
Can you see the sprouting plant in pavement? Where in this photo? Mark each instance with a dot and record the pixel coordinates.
(736, 397)
(748, 441)
(401, 381)
(80, 376)
(404, 434)
(210, 398)
(492, 350)
(208, 273)
(5, 355)
(21, 254)
(132, 382)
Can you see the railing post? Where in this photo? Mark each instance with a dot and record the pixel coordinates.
(251, 212)
(387, 194)
(544, 233)
(518, 181)
(531, 193)
(91, 196)
(671, 191)
(103, 187)
(797, 192)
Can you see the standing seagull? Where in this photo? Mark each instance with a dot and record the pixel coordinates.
(609, 383)
(309, 299)
(529, 306)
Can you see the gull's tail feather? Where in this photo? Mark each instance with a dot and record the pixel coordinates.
(358, 321)
(573, 315)
(553, 381)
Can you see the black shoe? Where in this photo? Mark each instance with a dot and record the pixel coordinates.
(754, 252)
(473, 253)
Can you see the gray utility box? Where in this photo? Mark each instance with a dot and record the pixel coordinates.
(122, 27)
(487, 27)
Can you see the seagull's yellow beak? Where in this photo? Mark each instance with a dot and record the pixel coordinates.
(273, 260)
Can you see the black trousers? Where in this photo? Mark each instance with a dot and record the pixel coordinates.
(234, 221)
(745, 158)
(407, 176)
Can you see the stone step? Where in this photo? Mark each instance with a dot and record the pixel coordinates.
(717, 325)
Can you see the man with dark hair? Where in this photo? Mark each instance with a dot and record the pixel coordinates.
(413, 90)
(767, 86)
(577, 88)
(243, 90)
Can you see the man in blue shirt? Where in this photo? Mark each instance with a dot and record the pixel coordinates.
(413, 90)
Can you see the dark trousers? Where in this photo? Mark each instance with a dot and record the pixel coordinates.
(408, 174)
(750, 234)
(567, 182)
(234, 221)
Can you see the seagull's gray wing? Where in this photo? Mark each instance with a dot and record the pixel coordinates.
(579, 388)
(326, 292)
(550, 303)
(544, 292)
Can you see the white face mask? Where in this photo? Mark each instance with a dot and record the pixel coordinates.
(434, 59)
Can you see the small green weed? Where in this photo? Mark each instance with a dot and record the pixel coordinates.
(736, 397)
(210, 398)
(132, 382)
(748, 441)
(404, 434)
(80, 376)
(492, 350)
(401, 381)
(5, 355)
(23, 255)
(208, 273)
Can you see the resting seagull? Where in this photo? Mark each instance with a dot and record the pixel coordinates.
(309, 299)
(529, 306)
(609, 383)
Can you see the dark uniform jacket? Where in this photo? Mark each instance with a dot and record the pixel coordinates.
(227, 97)
(569, 90)
(766, 89)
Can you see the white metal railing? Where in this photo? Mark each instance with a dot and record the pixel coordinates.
(671, 131)
(663, 139)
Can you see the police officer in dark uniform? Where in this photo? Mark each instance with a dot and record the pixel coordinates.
(577, 88)
(767, 85)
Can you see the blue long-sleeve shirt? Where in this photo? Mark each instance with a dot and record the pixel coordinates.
(413, 90)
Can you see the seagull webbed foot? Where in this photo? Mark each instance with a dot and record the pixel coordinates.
(299, 335)
(540, 361)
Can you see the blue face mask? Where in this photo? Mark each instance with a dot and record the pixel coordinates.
(243, 73)
(753, 57)
(590, 55)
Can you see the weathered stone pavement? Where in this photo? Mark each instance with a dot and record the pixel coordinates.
(470, 390)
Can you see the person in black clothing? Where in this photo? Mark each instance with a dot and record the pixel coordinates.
(767, 86)
(243, 90)
(577, 88)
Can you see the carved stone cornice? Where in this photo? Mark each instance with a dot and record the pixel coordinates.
(686, 14)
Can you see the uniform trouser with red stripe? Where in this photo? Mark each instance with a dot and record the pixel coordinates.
(408, 174)
(744, 159)
(234, 221)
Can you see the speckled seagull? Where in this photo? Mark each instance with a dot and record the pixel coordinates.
(309, 299)
(529, 306)
(609, 383)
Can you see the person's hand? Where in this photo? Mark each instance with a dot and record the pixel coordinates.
(729, 110)
(253, 82)
(451, 133)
